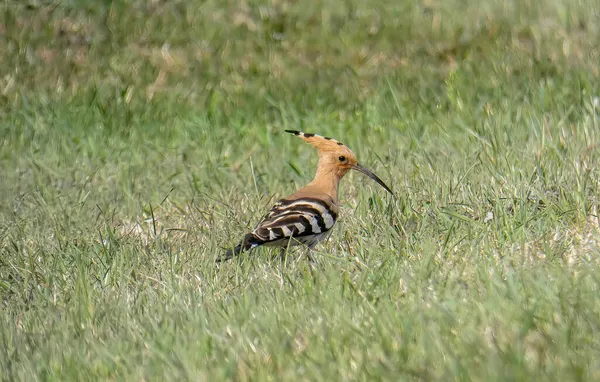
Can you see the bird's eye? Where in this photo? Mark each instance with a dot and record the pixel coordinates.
(342, 158)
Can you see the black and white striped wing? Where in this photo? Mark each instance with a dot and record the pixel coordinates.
(306, 220)
(303, 219)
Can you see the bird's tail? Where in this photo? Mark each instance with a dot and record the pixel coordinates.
(249, 242)
(230, 253)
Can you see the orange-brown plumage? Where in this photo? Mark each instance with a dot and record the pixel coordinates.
(306, 216)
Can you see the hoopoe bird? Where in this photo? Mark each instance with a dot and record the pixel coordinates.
(306, 217)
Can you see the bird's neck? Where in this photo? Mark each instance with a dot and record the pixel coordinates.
(326, 182)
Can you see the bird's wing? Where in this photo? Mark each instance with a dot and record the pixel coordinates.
(295, 218)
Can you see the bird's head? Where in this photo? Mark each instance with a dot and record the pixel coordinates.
(336, 158)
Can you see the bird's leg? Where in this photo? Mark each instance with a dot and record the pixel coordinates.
(309, 256)
(311, 248)
(312, 263)
(280, 254)
(284, 251)
(283, 254)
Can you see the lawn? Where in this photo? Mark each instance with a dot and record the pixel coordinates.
(139, 139)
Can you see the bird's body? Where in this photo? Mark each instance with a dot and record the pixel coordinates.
(307, 216)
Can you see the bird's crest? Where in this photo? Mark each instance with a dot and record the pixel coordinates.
(320, 142)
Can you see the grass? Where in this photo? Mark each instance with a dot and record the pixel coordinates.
(139, 138)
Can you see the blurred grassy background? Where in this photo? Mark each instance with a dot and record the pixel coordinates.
(139, 138)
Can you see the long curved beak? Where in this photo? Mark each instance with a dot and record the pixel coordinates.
(369, 173)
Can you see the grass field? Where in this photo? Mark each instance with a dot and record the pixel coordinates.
(140, 138)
